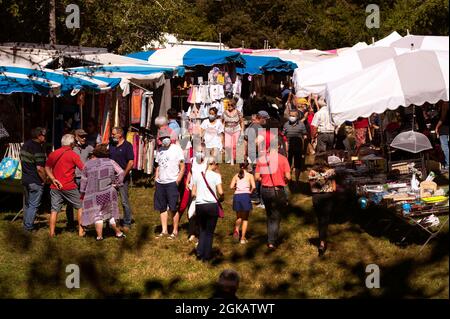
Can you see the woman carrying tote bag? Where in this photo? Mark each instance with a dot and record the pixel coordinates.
(206, 191)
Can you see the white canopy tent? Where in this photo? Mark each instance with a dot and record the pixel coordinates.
(387, 41)
(422, 42)
(313, 79)
(409, 79)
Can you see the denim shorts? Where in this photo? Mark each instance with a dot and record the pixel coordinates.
(59, 196)
(166, 197)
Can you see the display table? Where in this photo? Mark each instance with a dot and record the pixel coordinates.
(427, 215)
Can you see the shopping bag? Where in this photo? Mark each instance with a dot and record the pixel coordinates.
(9, 164)
(191, 211)
(18, 174)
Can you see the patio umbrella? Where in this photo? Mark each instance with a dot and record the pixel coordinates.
(410, 141)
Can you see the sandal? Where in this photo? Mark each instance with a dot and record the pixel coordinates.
(173, 236)
(162, 235)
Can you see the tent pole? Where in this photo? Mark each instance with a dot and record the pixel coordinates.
(23, 119)
(53, 124)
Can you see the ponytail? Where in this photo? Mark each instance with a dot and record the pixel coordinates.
(242, 167)
(241, 173)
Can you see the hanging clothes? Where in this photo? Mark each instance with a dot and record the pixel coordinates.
(123, 111)
(116, 109)
(190, 100)
(150, 156)
(166, 99)
(140, 152)
(106, 125)
(101, 109)
(136, 106)
(228, 83)
(237, 86)
(143, 110)
(130, 137)
(198, 95)
(150, 107)
(136, 150)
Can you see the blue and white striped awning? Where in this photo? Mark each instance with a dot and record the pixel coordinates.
(138, 74)
(21, 79)
(188, 57)
(255, 65)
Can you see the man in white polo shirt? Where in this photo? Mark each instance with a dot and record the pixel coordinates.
(323, 128)
(168, 175)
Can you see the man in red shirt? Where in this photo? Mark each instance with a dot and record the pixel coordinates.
(60, 167)
(273, 170)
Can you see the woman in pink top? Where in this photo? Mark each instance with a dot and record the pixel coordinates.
(244, 184)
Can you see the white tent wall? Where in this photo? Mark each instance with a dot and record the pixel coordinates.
(411, 78)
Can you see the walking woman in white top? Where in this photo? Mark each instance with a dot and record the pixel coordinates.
(244, 184)
(207, 192)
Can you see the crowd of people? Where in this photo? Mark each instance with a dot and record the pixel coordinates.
(89, 177)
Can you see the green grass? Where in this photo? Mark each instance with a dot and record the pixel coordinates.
(143, 267)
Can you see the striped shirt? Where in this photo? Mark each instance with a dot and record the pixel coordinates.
(32, 155)
(322, 121)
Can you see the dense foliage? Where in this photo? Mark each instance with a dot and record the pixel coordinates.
(127, 25)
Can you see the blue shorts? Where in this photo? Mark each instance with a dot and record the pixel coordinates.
(242, 203)
(166, 197)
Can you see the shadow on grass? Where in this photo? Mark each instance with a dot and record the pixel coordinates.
(46, 274)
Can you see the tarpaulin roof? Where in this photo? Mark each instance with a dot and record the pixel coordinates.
(188, 57)
(140, 74)
(260, 64)
(19, 79)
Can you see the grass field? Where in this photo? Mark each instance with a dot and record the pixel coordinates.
(33, 266)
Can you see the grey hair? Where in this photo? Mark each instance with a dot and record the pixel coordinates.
(118, 130)
(68, 140)
(161, 120)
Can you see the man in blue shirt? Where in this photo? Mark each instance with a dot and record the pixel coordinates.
(121, 151)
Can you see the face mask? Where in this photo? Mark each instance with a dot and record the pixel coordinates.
(212, 117)
(166, 142)
(292, 119)
(115, 140)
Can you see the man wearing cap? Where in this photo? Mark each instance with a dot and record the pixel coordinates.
(32, 157)
(322, 128)
(250, 144)
(168, 175)
(84, 151)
